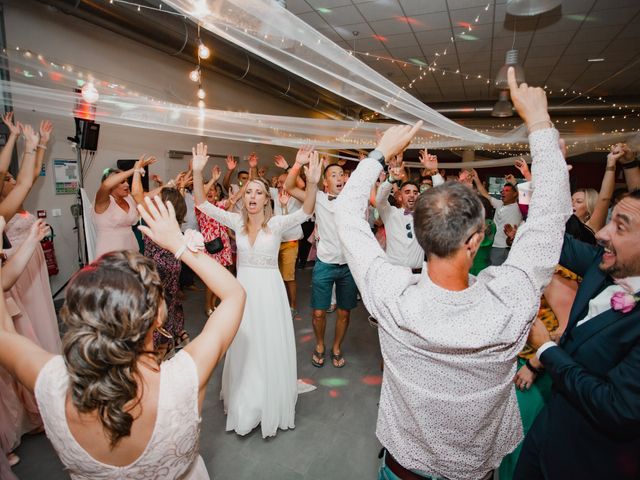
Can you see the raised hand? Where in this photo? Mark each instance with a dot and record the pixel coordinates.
(46, 127)
(396, 139)
(530, 102)
(14, 129)
(474, 175)
(465, 176)
(253, 160)
(627, 153)
(232, 163)
(522, 166)
(161, 224)
(304, 155)
(361, 156)
(510, 179)
(144, 161)
(283, 197)
(280, 162)
(430, 162)
(31, 138)
(262, 172)
(314, 171)
(199, 157)
(215, 173)
(157, 179)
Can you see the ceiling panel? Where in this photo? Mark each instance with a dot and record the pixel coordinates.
(553, 47)
(343, 16)
(420, 7)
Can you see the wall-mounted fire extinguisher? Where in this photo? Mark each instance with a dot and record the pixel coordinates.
(50, 253)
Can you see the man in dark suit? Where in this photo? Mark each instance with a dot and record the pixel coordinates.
(591, 426)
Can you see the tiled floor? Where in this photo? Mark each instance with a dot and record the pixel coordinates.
(334, 436)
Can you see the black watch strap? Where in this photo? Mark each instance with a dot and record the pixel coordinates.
(537, 371)
(632, 164)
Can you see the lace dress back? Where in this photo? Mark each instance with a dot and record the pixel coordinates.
(172, 451)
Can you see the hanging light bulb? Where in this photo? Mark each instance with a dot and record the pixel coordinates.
(203, 51)
(511, 60)
(90, 93)
(503, 107)
(194, 75)
(201, 93)
(201, 104)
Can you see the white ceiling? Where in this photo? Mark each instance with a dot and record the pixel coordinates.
(553, 47)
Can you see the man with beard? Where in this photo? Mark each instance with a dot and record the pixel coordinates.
(591, 426)
(402, 246)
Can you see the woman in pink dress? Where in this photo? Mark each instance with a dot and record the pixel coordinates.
(110, 408)
(114, 210)
(211, 229)
(19, 412)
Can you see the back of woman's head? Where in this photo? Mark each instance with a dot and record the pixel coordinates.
(109, 308)
(171, 194)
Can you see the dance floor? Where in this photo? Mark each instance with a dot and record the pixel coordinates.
(335, 424)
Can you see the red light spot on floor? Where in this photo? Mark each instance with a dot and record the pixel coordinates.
(334, 393)
(372, 379)
(306, 338)
(308, 381)
(464, 24)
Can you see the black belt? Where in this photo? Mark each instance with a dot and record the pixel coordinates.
(416, 270)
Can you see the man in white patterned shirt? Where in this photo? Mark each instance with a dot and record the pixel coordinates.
(449, 340)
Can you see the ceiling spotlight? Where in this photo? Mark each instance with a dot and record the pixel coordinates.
(503, 107)
(194, 75)
(203, 51)
(595, 59)
(201, 94)
(511, 60)
(90, 93)
(529, 8)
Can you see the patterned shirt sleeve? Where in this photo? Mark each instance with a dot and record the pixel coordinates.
(379, 281)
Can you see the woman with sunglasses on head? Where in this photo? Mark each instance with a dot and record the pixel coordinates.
(110, 408)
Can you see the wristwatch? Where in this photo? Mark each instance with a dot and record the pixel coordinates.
(378, 155)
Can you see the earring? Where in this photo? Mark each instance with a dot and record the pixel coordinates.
(164, 332)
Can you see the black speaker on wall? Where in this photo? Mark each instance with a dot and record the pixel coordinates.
(128, 165)
(89, 135)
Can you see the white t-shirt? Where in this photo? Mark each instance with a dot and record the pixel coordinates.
(505, 214)
(294, 233)
(402, 246)
(329, 246)
(233, 189)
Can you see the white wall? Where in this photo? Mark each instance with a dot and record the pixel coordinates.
(36, 27)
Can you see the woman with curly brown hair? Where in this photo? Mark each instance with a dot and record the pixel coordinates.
(109, 407)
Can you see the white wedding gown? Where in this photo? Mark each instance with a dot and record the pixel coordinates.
(259, 383)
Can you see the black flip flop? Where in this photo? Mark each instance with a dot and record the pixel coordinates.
(317, 354)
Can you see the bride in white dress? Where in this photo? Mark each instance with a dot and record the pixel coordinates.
(259, 380)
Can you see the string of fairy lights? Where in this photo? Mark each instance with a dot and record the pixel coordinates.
(203, 53)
